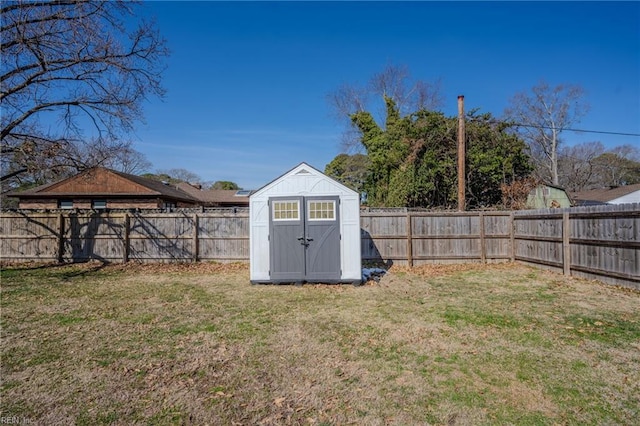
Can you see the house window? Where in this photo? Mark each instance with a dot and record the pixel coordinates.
(286, 210)
(322, 210)
(99, 204)
(65, 204)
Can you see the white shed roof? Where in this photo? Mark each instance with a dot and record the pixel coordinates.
(303, 169)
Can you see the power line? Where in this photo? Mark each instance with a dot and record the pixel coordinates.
(576, 130)
(514, 124)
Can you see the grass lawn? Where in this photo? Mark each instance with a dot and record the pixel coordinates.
(197, 344)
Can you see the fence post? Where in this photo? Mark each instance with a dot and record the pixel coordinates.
(483, 248)
(195, 238)
(60, 238)
(566, 244)
(512, 227)
(409, 241)
(126, 242)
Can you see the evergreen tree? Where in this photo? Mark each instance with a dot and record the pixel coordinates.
(413, 160)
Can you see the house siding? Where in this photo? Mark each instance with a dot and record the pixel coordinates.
(38, 204)
(633, 197)
(132, 204)
(85, 204)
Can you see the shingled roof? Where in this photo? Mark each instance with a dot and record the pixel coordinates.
(603, 195)
(215, 197)
(85, 184)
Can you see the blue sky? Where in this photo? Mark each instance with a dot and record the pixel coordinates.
(247, 81)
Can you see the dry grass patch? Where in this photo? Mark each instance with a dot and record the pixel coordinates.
(197, 344)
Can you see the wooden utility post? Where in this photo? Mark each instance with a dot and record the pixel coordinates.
(462, 153)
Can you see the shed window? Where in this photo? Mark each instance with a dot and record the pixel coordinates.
(65, 204)
(322, 210)
(99, 204)
(286, 210)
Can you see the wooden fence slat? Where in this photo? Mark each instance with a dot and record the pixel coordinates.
(409, 241)
(196, 245)
(566, 244)
(512, 231)
(126, 249)
(483, 248)
(60, 238)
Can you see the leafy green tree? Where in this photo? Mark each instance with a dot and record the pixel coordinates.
(160, 177)
(384, 149)
(225, 184)
(495, 156)
(351, 170)
(174, 176)
(413, 160)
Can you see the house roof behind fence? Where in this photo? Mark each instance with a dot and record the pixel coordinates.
(216, 196)
(604, 195)
(142, 187)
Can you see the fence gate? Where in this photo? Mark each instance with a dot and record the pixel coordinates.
(304, 239)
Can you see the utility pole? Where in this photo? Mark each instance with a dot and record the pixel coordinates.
(462, 153)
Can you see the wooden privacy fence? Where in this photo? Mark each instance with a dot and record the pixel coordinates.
(600, 242)
(416, 238)
(121, 237)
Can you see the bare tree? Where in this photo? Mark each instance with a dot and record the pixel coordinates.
(119, 155)
(393, 82)
(618, 166)
(69, 159)
(72, 67)
(543, 114)
(590, 165)
(180, 175)
(129, 161)
(577, 166)
(348, 99)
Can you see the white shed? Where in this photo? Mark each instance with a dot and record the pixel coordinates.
(305, 227)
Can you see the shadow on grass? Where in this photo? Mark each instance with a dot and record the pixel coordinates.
(64, 270)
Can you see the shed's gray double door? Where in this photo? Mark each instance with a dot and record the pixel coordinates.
(304, 239)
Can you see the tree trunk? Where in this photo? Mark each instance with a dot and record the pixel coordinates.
(554, 157)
